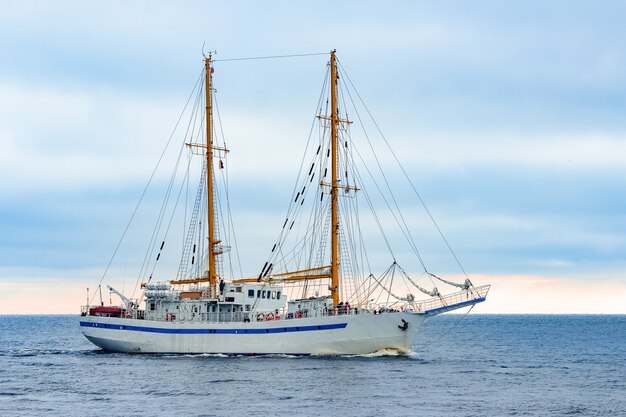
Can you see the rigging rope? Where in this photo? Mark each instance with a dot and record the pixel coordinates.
(449, 330)
(433, 293)
(227, 192)
(291, 211)
(401, 223)
(408, 298)
(171, 217)
(405, 174)
(153, 240)
(143, 193)
(267, 57)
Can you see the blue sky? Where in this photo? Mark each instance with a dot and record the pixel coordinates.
(510, 116)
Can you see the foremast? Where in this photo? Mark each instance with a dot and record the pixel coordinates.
(214, 247)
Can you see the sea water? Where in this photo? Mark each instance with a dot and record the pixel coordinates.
(475, 365)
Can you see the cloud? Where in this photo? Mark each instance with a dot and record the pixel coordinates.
(72, 139)
(83, 138)
(509, 119)
(89, 144)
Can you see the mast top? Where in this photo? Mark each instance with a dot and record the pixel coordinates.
(209, 52)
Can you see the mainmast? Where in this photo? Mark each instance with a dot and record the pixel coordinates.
(334, 241)
(211, 253)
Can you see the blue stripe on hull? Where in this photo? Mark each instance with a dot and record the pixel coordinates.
(213, 331)
(453, 306)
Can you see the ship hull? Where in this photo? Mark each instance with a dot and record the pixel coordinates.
(329, 335)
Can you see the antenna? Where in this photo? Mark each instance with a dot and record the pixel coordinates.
(210, 52)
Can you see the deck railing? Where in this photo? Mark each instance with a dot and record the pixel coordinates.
(437, 304)
(457, 299)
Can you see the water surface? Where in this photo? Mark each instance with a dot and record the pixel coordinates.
(480, 365)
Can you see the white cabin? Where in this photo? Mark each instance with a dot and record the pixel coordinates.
(236, 302)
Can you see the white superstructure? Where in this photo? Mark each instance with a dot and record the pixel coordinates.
(241, 323)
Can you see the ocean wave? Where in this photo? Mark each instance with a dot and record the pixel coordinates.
(26, 352)
(385, 353)
(194, 355)
(381, 353)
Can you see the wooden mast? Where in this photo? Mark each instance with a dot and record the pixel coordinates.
(334, 183)
(214, 248)
(209, 172)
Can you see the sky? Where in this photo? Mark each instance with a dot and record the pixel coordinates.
(509, 115)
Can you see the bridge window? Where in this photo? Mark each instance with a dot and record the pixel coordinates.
(273, 295)
(250, 293)
(278, 295)
(264, 293)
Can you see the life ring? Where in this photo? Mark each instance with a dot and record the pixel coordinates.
(269, 316)
(260, 317)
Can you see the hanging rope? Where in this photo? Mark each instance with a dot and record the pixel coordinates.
(408, 298)
(433, 293)
(467, 284)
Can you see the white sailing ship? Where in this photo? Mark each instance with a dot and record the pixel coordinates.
(317, 296)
